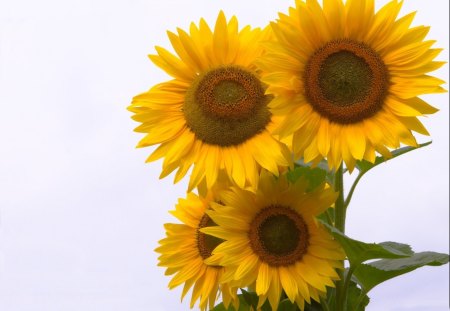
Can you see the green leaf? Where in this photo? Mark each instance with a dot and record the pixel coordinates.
(371, 274)
(243, 305)
(404, 248)
(220, 307)
(356, 299)
(364, 166)
(315, 176)
(250, 298)
(327, 216)
(247, 301)
(287, 305)
(314, 306)
(359, 252)
(323, 164)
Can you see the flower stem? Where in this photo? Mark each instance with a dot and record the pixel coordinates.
(360, 298)
(339, 207)
(339, 216)
(348, 278)
(324, 304)
(352, 189)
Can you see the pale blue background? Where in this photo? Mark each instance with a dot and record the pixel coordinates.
(80, 211)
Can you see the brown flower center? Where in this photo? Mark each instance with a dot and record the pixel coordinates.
(346, 81)
(226, 106)
(206, 243)
(279, 235)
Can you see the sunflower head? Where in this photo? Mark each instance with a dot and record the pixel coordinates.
(185, 249)
(273, 241)
(346, 79)
(213, 115)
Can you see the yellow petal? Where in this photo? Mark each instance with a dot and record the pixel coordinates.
(274, 290)
(289, 283)
(221, 38)
(246, 266)
(356, 141)
(264, 278)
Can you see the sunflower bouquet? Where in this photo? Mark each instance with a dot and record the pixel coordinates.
(267, 122)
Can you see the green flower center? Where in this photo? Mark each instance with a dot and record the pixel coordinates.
(279, 235)
(226, 106)
(345, 78)
(206, 243)
(229, 93)
(346, 81)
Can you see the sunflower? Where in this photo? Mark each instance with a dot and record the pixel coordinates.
(185, 249)
(273, 241)
(213, 115)
(347, 79)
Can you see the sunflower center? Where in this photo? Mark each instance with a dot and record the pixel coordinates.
(225, 106)
(206, 243)
(279, 235)
(345, 78)
(346, 81)
(229, 93)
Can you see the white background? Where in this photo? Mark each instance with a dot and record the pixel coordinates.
(80, 212)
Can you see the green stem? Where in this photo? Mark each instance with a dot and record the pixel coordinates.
(352, 189)
(339, 218)
(360, 298)
(339, 205)
(348, 278)
(324, 304)
(329, 219)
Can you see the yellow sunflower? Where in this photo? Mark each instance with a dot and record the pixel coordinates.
(348, 79)
(213, 115)
(185, 249)
(273, 241)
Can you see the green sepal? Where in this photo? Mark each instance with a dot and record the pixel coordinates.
(363, 166)
(327, 216)
(323, 164)
(358, 252)
(315, 176)
(371, 274)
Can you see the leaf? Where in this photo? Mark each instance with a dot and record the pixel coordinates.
(364, 166)
(243, 305)
(354, 300)
(327, 216)
(322, 165)
(405, 248)
(314, 306)
(315, 176)
(220, 307)
(287, 305)
(250, 298)
(248, 301)
(371, 274)
(359, 252)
